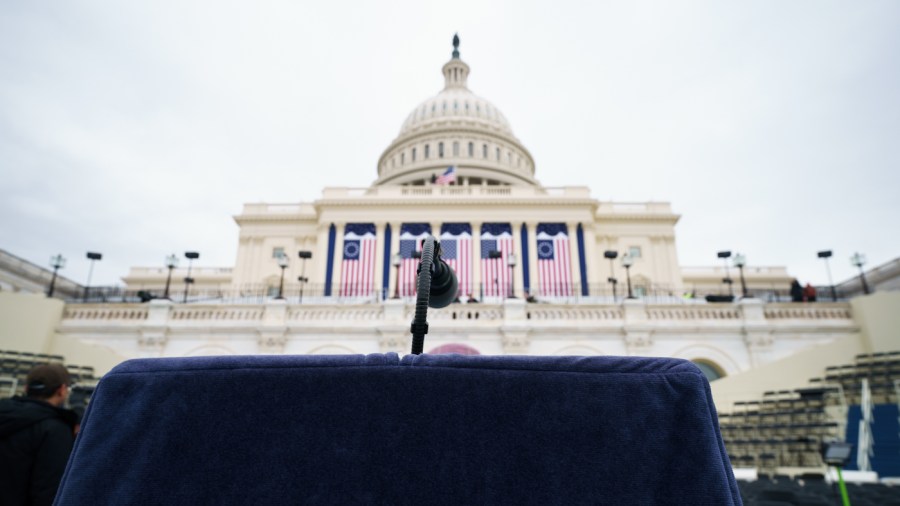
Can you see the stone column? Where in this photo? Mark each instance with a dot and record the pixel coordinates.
(591, 255)
(395, 248)
(476, 259)
(379, 258)
(638, 330)
(272, 334)
(338, 256)
(573, 256)
(533, 257)
(153, 335)
(320, 257)
(757, 333)
(518, 278)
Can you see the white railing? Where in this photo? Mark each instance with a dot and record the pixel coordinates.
(217, 312)
(564, 313)
(364, 314)
(817, 311)
(102, 312)
(353, 313)
(699, 312)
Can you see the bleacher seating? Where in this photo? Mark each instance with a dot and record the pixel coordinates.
(812, 490)
(785, 428)
(15, 365)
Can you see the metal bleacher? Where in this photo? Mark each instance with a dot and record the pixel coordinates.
(785, 428)
(15, 365)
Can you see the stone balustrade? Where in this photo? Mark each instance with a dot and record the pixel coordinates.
(735, 336)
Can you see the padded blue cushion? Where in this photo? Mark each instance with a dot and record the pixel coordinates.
(427, 429)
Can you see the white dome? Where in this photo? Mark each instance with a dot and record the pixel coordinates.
(456, 128)
(455, 105)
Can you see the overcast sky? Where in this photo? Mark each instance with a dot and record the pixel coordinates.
(138, 129)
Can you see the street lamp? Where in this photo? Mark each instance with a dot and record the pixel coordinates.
(859, 260)
(826, 255)
(92, 257)
(496, 255)
(304, 256)
(725, 255)
(627, 262)
(511, 262)
(611, 256)
(188, 280)
(283, 263)
(171, 263)
(57, 262)
(740, 261)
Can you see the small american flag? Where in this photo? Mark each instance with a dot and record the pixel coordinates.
(554, 266)
(456, 250)
(449, 176)
(358, 260)
(495, 271)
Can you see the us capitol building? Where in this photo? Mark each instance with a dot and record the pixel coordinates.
(532, 261)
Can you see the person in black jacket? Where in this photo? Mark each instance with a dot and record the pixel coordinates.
(36, 438)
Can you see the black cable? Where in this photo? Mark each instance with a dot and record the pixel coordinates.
(419, 326)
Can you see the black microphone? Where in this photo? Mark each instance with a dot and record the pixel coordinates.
(443, 284)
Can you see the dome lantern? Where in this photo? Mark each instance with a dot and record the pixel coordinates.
(455, 71)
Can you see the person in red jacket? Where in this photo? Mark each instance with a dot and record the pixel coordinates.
(36, 438)
(809, 293)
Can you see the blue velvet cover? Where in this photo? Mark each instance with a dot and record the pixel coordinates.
(377, 429)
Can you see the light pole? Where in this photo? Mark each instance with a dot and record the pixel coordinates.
(171, 263)
(611, 256)
(511, 262)
(725, 255)
(396, 260)
(188, 280)
(496, 255)
(859, 260)
(627, 262)
(826, 254)
(304, 256)
(283, 263)
(92, 257)
(740, 261)
(57, 262)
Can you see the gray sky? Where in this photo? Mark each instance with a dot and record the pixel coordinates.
(139, 128)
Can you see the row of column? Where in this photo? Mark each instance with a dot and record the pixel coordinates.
(327, 235)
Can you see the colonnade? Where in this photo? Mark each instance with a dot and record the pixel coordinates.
(581, 251)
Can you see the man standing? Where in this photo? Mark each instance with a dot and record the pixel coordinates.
(36, 438)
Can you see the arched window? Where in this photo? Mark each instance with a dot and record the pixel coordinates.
(427, 150)
(455, 106)
(445, 106)
(484, 151)
(414, 154)
(455, 148)
(402, 158)
(440, 150)
(471, 149)
(509, 157)
(467, 107)
(498, 154)
(711, 370)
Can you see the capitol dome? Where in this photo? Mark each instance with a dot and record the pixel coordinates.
(456, 128)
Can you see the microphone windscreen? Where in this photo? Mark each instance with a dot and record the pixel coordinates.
(443, 286)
